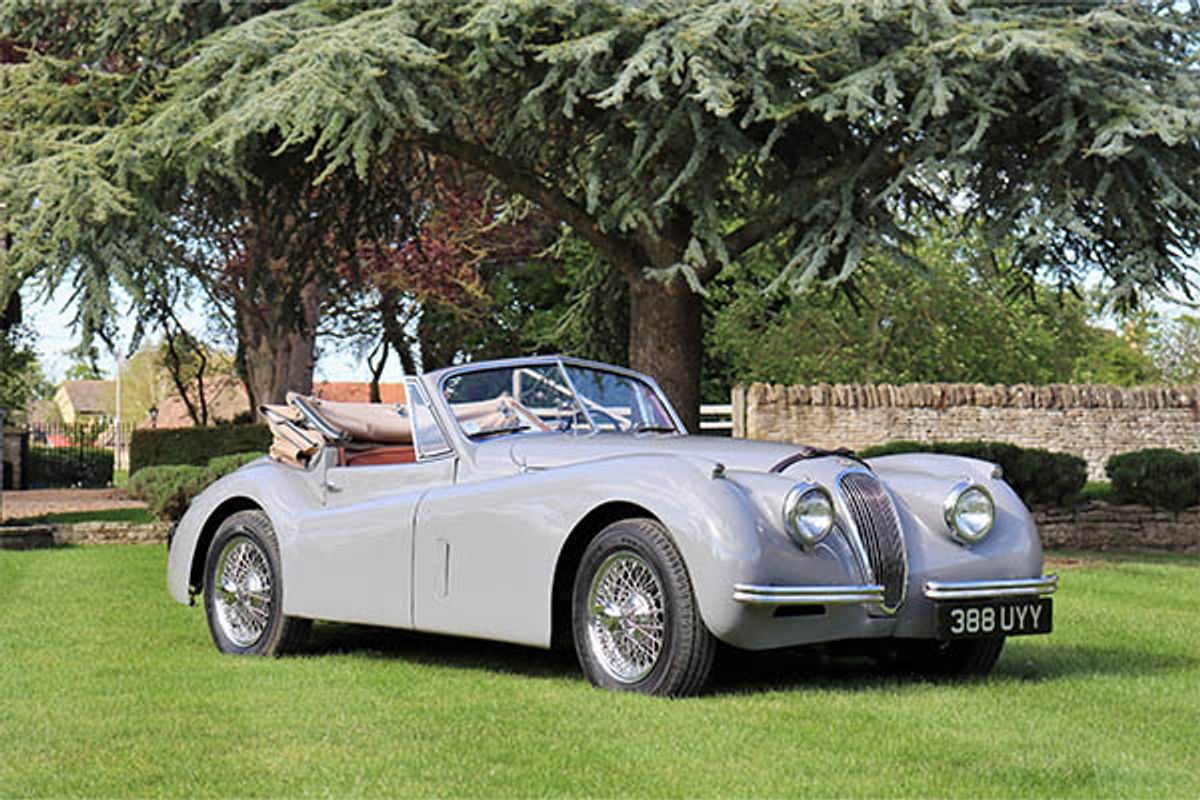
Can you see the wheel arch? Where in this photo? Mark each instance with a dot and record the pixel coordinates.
(222, 512)
(571, 555)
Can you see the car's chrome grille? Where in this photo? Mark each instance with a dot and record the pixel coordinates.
(879, 532)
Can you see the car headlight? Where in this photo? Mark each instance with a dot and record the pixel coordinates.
(808, 513)
(970, 511)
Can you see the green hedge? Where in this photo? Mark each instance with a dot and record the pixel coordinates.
(1160, 478)
(64, 467)
(1040, 477)
(153, 447)
(168, 489)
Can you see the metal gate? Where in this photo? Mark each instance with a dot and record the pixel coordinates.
(61, 455)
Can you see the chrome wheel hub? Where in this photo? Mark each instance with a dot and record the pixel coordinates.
(626, 617)
(242, 596)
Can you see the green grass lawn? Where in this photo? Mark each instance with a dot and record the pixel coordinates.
(108, 688)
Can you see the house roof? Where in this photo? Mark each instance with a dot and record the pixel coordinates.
(90, 397)
(227, 399)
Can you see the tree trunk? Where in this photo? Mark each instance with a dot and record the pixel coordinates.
(278, 345)
(665, 341)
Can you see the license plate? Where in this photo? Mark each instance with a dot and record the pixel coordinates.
(994, 618)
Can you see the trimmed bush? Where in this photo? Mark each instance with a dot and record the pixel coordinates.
(223, 465)
(1039, 477)
(151, 447)
(65, 467)
(168, 489)
(1158, 477)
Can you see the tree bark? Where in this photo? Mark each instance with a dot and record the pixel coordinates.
(665, 341)
(278, 348)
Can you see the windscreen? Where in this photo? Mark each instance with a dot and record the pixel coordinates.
(544, 397)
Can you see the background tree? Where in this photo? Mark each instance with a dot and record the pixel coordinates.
(1175, 348)
(164, 368)
(971, 316)
(675, 138)
(22, 382)
(253, 229)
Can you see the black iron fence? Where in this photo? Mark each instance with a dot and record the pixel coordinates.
(85, 454)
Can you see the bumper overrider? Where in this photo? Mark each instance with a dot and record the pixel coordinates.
(872, 594)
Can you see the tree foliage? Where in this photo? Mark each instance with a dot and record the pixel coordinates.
(1175, 348)
(970, 316)
(21, 379)
(672, 137)
(102, 189)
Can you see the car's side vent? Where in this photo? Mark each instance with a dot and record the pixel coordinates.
(879, 532)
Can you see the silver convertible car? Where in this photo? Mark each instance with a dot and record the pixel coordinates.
(550, 500)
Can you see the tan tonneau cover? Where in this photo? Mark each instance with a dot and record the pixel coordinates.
(378, 423)
(295, 441)
(290, 444)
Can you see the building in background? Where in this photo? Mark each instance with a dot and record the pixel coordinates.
(227, 401)
(81, 402)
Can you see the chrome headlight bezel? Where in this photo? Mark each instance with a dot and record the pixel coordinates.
(952, 510)
(804, 530)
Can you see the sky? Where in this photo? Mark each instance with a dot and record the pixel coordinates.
(51, 322)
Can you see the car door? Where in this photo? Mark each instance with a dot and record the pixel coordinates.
(354, 554)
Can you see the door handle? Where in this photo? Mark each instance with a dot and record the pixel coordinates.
(332, 487)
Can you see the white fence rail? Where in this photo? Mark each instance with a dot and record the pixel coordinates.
(717, 419)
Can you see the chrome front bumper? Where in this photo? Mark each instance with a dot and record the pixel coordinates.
(871, 594)
(985, 590)
(756, 595)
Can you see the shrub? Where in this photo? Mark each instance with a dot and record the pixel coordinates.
(223, 465)
(1040, 477)
(53, 467)
(1158, 477)
(168, 489)
(197, 446)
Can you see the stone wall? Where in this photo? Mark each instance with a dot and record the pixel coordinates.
(111, 533)
(1093, 422)
(1099, 526)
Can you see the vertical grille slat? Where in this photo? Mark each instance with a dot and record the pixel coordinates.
(879, 532)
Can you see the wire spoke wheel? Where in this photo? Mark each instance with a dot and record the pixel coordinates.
(626, 616)
(243, 591)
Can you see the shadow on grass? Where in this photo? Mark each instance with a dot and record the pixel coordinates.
(737, 671)
(329, 638)
(1053, 661)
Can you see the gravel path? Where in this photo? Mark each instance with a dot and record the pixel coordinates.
(34, 502)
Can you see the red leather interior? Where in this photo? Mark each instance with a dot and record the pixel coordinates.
(391, 454)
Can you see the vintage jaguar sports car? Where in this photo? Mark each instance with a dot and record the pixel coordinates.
(552, 500)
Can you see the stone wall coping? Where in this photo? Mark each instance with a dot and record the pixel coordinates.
(110, 532)
(1057, 396)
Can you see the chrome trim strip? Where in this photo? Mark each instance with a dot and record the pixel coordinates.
(316, 420)
(756, 595)
(980, 590)
(412, 385)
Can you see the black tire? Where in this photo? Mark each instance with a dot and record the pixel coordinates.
(685, 648)
(964, 658)
(235, 626)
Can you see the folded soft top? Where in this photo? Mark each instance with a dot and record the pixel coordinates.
(306, 424)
